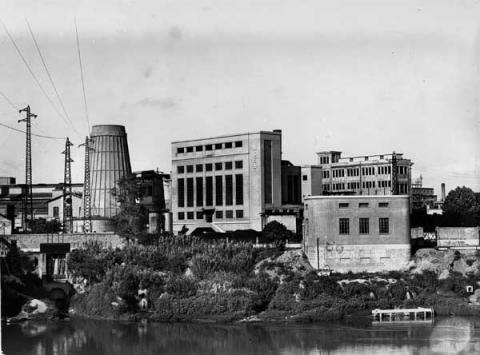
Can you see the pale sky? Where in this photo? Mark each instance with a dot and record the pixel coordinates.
(361, 77)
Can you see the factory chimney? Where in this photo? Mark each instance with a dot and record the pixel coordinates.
(443, 192)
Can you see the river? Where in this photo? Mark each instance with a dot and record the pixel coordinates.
(453, 335)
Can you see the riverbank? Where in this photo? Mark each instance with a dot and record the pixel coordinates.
(188, 280)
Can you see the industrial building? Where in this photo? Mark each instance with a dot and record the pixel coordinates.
(233, 182)
(357, 233)
(12, 197)
(109, 162)
(385, 174)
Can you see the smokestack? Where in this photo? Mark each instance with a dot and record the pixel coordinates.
(109, 162)
(443, 192)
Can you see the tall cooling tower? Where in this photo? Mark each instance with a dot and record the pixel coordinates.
(109, 162)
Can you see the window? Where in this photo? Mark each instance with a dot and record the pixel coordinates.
(199, 215)
(228, 165)
(305, 177)
(180, 169)
(229, 214)
(239, 213)
(383, 204)
(363, 204)
(199, 148)
(218, 190)
(199, 187)
(209, 191)
(228, 145)
(344, 226)
(181, 192)
(238, 144)
(229, 190)
(189, 168)
(343, 205)
(180, 150)
(189, 149)
(181, 216)
(239, 189)
(208, 167)
(364, 226)
(219, 214)
(55, 211)
(199, 168)
(208, 147)
(239, 164)
(190, 192)
(218, 166)
(218, 146)
(267, 170)
(189, 215)
(383, 226)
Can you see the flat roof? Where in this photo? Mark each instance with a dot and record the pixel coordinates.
(227, 136)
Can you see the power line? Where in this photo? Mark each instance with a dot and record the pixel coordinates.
(81, 75)
(8, 100)
(31, 71)
(33, 134)
(50, 77)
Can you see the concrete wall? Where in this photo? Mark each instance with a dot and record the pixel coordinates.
(458, 236)
(311, 181)
(31, 242)
(325, 247)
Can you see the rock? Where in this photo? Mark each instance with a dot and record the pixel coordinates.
(444, 275)
(36, 309)
(290, 260)
(475, 298)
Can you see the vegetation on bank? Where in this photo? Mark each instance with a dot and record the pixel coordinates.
(189, 279)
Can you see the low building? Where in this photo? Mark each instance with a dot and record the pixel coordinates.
(423, 198)
(357, 233)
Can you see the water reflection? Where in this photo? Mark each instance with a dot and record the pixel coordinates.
(81, 337)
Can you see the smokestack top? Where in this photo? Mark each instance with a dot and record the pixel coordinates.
(108, 130)
(443, 191)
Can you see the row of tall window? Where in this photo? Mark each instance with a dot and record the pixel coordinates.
(338, 173)
(214, 190)
(326, 174)
(353, 172)
(324, 160)
(228, 214)
(209, 147)
(364, 225)
(228, 165)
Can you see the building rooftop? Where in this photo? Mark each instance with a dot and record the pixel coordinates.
(356, 197)
(274, 132)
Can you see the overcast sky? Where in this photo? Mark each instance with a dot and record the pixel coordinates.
(361, 77)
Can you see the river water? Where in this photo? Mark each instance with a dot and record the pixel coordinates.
(453, 335)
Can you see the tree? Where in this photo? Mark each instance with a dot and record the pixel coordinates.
(132, 220)
(41, 225)
(462, 207)
(277, 233)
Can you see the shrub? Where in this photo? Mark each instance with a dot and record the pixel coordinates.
(181, 286)
(265, 288)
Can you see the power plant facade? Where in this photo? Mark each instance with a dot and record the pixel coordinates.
(109, 162)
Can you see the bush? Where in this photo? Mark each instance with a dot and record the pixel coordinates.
(265, 289)
(181, 286)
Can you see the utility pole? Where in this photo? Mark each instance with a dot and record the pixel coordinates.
(27, 214)
(87, 214)
(67, 191)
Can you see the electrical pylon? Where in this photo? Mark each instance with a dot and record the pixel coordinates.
(87, 214)
(67, 191)
(27, 214)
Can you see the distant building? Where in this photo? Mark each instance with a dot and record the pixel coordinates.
(12, 197)
(365, 175)
(357, 233)
(311, 181)
(233, 182)
(423, 198)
